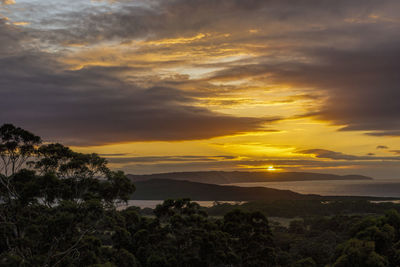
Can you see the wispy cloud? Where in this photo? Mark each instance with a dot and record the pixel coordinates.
(7, 2)
(328, 154)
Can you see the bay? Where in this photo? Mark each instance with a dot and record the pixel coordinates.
(375, 188)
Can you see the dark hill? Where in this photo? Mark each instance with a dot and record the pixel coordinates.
(222, 177)
(160, 189)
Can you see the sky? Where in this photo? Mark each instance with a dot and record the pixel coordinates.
(190, 85)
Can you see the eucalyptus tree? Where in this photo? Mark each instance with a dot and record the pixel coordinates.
(16, 146)
(56, 204)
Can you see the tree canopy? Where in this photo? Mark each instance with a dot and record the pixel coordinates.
(58, 208)
(53, 201)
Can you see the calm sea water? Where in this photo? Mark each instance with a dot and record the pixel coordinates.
(378, 188)
(153, 203)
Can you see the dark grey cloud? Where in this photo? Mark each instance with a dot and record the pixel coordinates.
(329, 154)
(362, 84)
(10, 39)
(381, 147)
(158, 159)
(376, 169)
(334, 47)
(95, 106)
(355, 63)
(113, 154)
(161, 19)
(387, 132)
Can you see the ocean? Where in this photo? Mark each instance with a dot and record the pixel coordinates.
(376, 187)
(153, 203)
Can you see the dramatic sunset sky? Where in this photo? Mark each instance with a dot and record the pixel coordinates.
(186, 85)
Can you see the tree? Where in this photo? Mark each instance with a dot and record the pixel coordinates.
(57, 208)
(374, 242)
(16, 146)
(189, 238)
(67, 195)
(359, 253)
(307, 262)
(251, 238)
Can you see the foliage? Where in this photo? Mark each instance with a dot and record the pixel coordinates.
(54, 210)
(349, 232)
(181, 234)
(326, 206)
(16, 146)
(57, 208)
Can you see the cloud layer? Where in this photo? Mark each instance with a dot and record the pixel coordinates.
(106, 72)
(94, 105)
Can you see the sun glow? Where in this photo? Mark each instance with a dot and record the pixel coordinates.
(271, 168)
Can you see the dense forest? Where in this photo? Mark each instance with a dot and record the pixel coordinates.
(58, 208)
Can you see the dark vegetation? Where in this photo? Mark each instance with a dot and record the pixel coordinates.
(307, 208)
(57, 208)
(222, 177)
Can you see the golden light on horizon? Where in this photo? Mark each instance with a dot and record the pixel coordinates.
(271, 168)
(189, 89)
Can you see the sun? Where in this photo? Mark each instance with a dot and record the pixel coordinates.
(271, 168)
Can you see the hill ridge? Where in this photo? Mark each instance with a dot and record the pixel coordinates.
(161, 189)
(230, 177)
